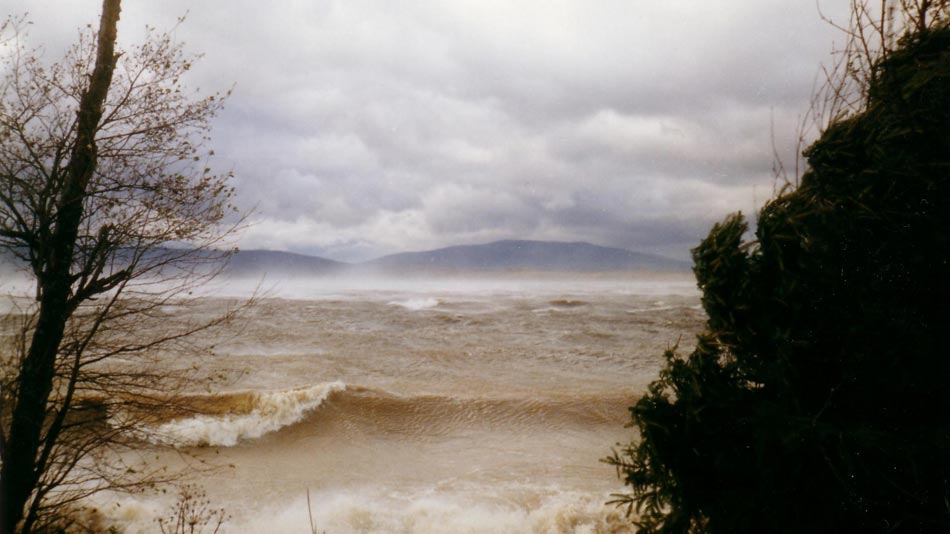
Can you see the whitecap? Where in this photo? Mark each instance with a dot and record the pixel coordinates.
(270, 411)
(416, 304)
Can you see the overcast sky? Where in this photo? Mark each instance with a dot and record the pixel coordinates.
(363, 127)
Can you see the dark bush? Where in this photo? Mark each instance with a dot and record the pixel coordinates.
(818, 397)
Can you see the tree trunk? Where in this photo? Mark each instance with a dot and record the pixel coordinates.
(20, 472)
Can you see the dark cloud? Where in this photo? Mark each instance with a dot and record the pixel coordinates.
(364, 127)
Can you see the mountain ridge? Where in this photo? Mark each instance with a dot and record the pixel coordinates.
(511, 254)
(496, 256)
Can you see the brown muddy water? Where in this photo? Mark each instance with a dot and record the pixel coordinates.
(439, 406)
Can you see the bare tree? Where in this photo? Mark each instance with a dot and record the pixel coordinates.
(107, 200)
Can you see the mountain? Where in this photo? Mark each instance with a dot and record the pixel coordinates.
(259, 262)
(499, 256)
(527, 255)
(245, 263)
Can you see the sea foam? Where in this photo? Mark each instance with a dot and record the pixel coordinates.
(436, 512)
(485, 510)
(269, 411)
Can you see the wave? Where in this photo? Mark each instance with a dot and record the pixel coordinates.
(482, 510)
(567, 303)
(235, 417)
(227, 419)
(417, 303)
(511, 507)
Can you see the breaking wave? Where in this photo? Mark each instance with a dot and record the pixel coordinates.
(224, 420)
(240, 416)
(505, 508)
(417, 304)
(492, 510)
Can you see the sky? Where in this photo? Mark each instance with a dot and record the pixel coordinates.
(358, 128)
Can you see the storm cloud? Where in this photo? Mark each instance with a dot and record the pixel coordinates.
(361, 127)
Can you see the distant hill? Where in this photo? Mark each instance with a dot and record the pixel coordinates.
(243, 263)
(527, 255)
(260, 262)
(499, 256)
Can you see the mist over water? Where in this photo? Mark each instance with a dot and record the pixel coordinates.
(474, 284)
(418, 406)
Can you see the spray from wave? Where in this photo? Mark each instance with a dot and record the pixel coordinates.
(361, 510)
(246, 416)
(529, 511)
(416, 304)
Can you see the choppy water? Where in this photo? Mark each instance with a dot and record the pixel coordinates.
(423, 406)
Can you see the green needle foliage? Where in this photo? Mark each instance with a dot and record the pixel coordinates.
(818, 397)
